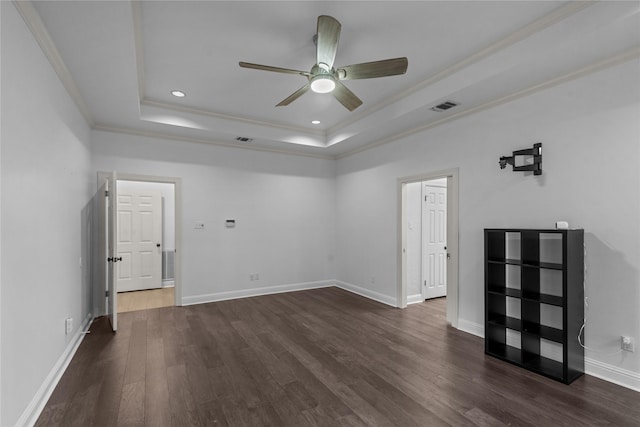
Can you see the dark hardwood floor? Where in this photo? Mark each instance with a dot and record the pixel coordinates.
(320, 358)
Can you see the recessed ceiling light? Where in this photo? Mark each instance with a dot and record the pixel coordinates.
(178, 93)
(315, 122)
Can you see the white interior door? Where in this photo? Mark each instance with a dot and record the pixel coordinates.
(139, 238)
(434, 241)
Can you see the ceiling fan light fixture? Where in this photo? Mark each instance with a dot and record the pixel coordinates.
(322, 83)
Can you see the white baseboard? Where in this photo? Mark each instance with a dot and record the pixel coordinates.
(414, 299)
(472, 328)
(168, 283)
(39, 400)
(612, 374)
(604, 371)
(254, 292)
(385, 299)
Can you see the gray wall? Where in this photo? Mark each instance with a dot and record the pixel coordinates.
(284, 207)
(45, 219)
(589, 130)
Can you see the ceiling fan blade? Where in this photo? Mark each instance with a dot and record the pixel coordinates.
(274, 69)
(369, 70)
(346, 97)
(327, 40)
(295, 95)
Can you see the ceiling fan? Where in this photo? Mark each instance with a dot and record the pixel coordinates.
(324, 78)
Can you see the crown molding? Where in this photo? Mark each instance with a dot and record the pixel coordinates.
(169, 137)
(42, 36)
(528, 30)
(612, 61)
(221, 116)
(136, 14)
(139, 52)
(31, 17)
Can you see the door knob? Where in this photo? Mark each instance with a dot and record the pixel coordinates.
(157, 245)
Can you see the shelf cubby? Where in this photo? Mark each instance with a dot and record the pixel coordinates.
(534, 299)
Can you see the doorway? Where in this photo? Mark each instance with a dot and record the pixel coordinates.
(146, 244)
(172, 221)
(428, 239)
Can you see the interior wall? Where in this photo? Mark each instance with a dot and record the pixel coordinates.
(589, 130)
(284, 208)
(45, 212)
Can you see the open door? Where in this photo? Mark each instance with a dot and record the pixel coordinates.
(107, 247)
(434, 239)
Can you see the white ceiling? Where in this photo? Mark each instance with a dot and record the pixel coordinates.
(120, 61)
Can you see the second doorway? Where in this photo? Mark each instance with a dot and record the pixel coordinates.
(426, 239)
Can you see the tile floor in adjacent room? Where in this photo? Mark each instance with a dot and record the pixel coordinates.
(144, 300)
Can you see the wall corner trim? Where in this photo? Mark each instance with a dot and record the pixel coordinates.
(414, 299)
(367, 293)
(472, 328)
(254, 292)
(39, 400)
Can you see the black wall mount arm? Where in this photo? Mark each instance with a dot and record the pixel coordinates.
(535, 166)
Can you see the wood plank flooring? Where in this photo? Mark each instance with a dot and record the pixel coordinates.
(322, 357)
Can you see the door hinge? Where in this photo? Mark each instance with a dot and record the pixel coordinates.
(106, 294)
(106, 193)
(425, 283)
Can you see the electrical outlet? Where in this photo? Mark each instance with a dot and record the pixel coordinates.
(68, 326)
(627, 344)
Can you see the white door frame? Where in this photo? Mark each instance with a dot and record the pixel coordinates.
(177, 188)
(452, 176)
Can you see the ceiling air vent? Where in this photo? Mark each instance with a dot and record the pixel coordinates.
(444, 106)
(243, 139)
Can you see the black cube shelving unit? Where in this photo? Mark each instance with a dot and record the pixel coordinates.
(534, 299)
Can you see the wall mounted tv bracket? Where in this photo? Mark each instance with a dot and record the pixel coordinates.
(534, 153)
